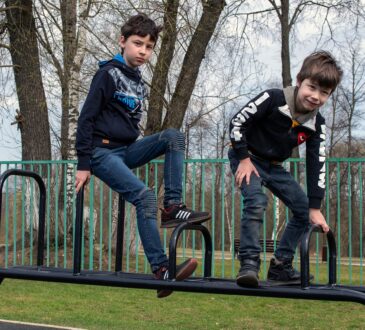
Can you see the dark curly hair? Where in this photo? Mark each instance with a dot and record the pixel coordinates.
(140, 25)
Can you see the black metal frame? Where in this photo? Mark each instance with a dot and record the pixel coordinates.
(205, 284)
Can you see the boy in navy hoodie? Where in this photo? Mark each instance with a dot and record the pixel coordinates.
(107, 145)
(263, 134)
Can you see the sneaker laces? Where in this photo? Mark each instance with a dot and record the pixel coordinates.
(288, 266)
(162, 274)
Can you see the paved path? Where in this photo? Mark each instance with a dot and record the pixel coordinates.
(15, 325)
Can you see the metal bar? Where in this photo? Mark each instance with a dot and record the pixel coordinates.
(304, 256)
(203, 205)
(361, 223)
(210, 285)
(349, 210)
(232, 224)
(193, 239)
(120, 234)
(173, 244)
(56, 216)
(14, 222)
(110, 200)
(213, 216)
(64, 168)
(6, 220)
(338, 181)
(48, 219)
(101, 220)
(222, 220)
(91, 224)
(128, 235)
(78, 232)
(42, 204)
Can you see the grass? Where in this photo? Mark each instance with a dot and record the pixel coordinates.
(94, 307)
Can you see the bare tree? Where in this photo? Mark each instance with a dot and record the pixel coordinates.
(70, 21)
(353, 96)
(159, 80)
(32, 118)
(176, 108)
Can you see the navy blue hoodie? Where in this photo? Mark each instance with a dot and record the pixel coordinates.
(112, 110)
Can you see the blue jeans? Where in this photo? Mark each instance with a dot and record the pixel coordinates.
(114, 167)
(282, 185)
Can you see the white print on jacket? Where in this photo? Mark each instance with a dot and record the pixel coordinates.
(244, 114)
(128, 92)
(322, 158)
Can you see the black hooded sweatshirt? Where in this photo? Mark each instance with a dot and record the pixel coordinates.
(112, 110)
(269, 128)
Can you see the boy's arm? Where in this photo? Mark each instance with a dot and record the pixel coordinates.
(243, 119)
(316, 172)
(101, 90)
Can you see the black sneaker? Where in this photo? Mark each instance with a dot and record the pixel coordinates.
(248, 275)
(281, 272)
(183, 271)
(177, 214)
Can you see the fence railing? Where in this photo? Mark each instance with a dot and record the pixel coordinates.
(207, 185)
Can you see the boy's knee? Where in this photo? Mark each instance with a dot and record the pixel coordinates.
(175, 138)
(256, 204)
(301, 209)
(149, 204)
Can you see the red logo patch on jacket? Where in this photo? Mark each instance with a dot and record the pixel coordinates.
(302, 137)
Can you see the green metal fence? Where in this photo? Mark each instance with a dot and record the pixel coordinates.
(208, 185)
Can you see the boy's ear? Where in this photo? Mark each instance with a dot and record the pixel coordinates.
(298, 83)
(122, 41)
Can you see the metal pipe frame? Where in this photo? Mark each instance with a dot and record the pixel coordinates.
(304, 256)
(173, 244)
(120, 234)
(42, 205)
(206, 284)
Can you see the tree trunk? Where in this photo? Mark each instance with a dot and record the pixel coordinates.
(191, 64)
(285, 48)
(69, 21)
(161, 70)
(33, 114)
(74, 47)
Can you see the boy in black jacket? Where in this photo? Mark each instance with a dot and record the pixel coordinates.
(107, 145)
(263, 135)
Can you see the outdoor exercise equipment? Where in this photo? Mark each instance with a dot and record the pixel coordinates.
(205, 284)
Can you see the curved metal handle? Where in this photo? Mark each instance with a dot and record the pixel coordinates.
(304, 256)
(173, 243)
(42, 205)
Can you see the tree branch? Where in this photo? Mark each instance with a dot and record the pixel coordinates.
(4, 46)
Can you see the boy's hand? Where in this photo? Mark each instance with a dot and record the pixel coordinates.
(316, 217)
(245, 169)
(82, 177)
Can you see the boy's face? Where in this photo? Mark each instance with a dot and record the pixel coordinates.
(310, 96)
(136, 50)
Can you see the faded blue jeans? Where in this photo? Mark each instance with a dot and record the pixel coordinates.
(283, 186)
(114, 167)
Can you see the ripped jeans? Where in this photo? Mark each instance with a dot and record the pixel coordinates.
(114, 167)
(283, 186)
